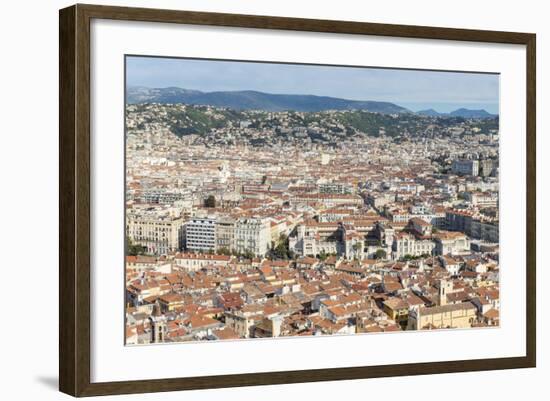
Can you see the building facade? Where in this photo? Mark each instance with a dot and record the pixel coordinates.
(252, 235)
(200, 234)
(465, 167)
(451, 243)
(408, 244)
(225, 234)
(459, 316)
(160, 231)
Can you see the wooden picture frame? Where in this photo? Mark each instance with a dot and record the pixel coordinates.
(75, 207)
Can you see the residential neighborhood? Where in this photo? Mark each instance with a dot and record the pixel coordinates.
(283, 223)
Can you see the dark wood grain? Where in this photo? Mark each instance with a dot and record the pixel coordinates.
(302, 376)
(301, 24)
(82, 212)
(74, 199)
(74, 205)
(531, 229)
(67, 265)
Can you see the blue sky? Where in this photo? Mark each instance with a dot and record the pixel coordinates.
(414, 89)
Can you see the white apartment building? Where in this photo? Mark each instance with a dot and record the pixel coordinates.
(405, 186)
(407, 244)
(200, 234)
(482, 199)
(483, 186)
(252, 235)
(335, 188)
(451, 243)
(164, 197)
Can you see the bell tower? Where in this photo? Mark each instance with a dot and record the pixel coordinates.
(444, 287)
(158, 324)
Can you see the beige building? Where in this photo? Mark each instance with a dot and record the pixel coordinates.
(196, 261)
(225, 233)
(159, 230)
(312, 238)
(451, 243)
(459, 316)
(482, 199)
(240, 323)
(158, 323)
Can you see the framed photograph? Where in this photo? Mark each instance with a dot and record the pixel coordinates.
(250, 200)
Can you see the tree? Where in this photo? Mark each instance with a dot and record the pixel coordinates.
(224, 251)
(210, 201)
(281, 250)
(134, 250)
(380, 254)
(248, 254)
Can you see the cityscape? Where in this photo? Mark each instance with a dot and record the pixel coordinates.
(331, 206)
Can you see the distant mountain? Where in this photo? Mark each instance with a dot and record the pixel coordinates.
(141, 94)
(464, 113)
(429, 112)
(253, 100)
(467, 113)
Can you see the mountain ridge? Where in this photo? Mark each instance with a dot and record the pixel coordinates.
(256, 100)
(460, 112)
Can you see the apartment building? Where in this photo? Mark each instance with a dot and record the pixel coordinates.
(200, 234)
(336, 188)
(252, 235)
(225, 233)
(477, 227)
(194, 261)
(465, 167)
(451, 243)
(485, 229)
(408, 244)
(159, 230)
(482, 199)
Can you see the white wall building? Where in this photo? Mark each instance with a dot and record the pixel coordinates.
(252, 235)
(407, 244)
(200, 234)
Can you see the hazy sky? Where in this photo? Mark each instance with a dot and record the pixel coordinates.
(414, 89)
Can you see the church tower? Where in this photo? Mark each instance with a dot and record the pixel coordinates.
(444, 288)
(158, 324)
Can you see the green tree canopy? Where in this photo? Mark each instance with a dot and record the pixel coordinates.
(210, 201)
(380, 254)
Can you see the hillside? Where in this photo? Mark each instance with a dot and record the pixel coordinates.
(253, 100)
